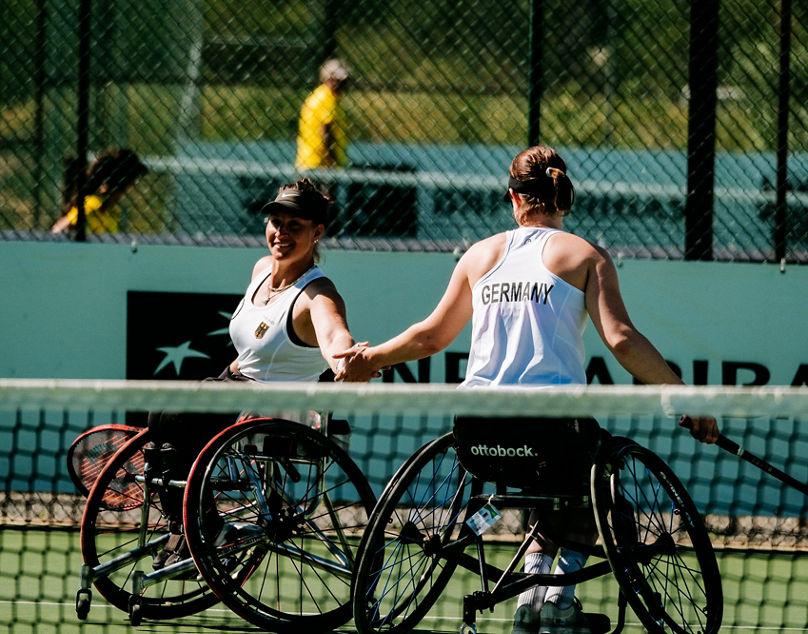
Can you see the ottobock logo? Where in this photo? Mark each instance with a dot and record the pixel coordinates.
(503, 452)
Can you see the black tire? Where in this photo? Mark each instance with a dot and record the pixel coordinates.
(108, 533)
(656, 542)
(300, 505)
(403, 565)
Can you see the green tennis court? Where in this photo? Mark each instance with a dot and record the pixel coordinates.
(40, 572)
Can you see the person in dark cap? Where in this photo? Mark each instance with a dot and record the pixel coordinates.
(292, 318)
(287, 327)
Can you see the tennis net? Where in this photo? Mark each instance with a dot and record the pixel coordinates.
(758, 524)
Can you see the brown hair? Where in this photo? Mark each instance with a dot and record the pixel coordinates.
(117, 168)
(546, 188)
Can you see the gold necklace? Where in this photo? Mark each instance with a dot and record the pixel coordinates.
(272, 292)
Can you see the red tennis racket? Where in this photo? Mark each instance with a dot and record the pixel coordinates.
(90, 452)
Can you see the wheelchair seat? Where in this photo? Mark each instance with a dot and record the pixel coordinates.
(538, 455)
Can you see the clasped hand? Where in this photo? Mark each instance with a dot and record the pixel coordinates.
(354, 365)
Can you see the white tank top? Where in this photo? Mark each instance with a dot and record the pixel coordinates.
(527, 325)
(268, 349)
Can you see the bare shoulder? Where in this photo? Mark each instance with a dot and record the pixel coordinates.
(321, 285)
(320, 296)
(572, 257)
(322, 288)
(575, 247)
(482, 256)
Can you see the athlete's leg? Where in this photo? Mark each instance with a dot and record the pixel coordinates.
(538, 560)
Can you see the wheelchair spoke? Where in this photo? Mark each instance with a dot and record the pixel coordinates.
(299, 503)
(657, 545)
(117, 551)
(402, 569)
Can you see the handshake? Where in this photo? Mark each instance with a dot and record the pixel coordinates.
(356, 364)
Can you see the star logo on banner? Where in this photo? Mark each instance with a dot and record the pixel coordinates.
(177, 354)
(221, 331)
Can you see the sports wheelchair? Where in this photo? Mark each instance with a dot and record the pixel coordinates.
(272, 515)
(431, 519)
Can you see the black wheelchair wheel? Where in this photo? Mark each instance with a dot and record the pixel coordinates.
(118, 547)
(656, 542)
(274, 512)
(409, 551)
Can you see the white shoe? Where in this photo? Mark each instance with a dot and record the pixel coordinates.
(571, 620)
(233, 532)
(525, 620)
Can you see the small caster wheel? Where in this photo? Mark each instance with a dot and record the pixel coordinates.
(468, 629)
(135, 611)
(83, 600)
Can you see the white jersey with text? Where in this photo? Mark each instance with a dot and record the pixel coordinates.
(267, 347)
(528, 323)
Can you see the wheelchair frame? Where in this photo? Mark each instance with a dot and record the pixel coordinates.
(418, 536)
(312, 492)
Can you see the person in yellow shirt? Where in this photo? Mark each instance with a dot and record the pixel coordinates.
(108, 178)
(322, 139)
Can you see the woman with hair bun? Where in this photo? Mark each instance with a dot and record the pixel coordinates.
(527, 292)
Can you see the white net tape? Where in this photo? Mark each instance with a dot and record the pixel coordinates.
(434, 399)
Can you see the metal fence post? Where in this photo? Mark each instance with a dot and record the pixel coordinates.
(703, 82)
(83, 114)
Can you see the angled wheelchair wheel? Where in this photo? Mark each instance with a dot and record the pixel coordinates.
(274, 512)
(656, 542)
(122, 529)
(412, 543)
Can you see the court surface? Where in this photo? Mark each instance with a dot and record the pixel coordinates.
(40, 577)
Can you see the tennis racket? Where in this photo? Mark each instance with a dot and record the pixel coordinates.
(736, 450)
(90, 452)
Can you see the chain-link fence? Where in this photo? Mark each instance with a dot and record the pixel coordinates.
(683, 124)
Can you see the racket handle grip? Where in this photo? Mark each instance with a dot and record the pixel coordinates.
(723, 442)
(734, 448)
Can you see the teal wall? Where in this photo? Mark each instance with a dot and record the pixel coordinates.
(64, 306)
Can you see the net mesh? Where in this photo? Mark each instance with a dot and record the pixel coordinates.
(757, 523)
(209, 94)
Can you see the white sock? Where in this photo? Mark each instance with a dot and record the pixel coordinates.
(568, 561)
(535, 563)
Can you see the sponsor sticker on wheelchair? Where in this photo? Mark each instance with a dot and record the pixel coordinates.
(484, 519)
